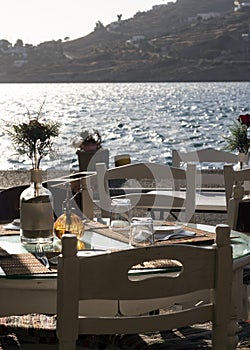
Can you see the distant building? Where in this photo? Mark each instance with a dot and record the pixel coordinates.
(138, 38)
(245, 36)
(135, 40)
(241, 5)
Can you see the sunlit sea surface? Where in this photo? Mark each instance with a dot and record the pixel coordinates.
(146, 120)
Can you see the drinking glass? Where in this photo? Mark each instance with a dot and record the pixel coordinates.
(120, 215)
(142, 231)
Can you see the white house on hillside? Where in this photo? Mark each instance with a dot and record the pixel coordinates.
(135, 40)
(241, 5)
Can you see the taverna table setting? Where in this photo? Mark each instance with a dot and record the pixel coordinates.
(120, 286)
(39, 288)
(38, 285)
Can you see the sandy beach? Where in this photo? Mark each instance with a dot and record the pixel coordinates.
(10, 178)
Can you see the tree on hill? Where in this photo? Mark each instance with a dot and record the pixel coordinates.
(19, 43)
(99, 25)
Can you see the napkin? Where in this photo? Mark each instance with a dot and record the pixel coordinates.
(163, 233)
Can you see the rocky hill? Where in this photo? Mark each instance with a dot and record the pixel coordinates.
(190, 40)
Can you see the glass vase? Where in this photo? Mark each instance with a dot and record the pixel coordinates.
(36, 212)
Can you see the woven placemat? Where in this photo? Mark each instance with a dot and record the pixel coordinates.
(22, 264)
(201, 236)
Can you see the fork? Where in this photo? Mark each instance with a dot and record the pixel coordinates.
(41, 256)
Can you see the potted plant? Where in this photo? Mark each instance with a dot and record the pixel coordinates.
(33, 138)
(90, 150)
(90, 140)
(238, 139)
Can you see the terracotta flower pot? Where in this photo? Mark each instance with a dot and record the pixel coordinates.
(88, 159)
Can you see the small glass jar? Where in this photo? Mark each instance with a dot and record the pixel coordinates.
(120, 212)
(36, 212)
(142, 231)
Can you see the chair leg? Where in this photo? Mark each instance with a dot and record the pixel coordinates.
(219, 338)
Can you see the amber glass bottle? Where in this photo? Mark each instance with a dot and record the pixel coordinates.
(69, 222)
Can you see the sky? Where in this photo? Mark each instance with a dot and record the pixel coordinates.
(36, 21)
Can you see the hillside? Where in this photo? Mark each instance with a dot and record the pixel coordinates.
(190, 40)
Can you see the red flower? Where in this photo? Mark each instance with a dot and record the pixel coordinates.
(244, 119)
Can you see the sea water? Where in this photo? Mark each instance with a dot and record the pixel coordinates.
(145, 120)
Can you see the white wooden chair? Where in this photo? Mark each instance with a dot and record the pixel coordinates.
(237, 197)
(210, 178)
(105, 277)
(171, 199)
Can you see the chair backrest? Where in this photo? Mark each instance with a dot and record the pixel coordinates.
(238, 203)
(209, 177)
(9, 203)
(106, 277)
(175, 178)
